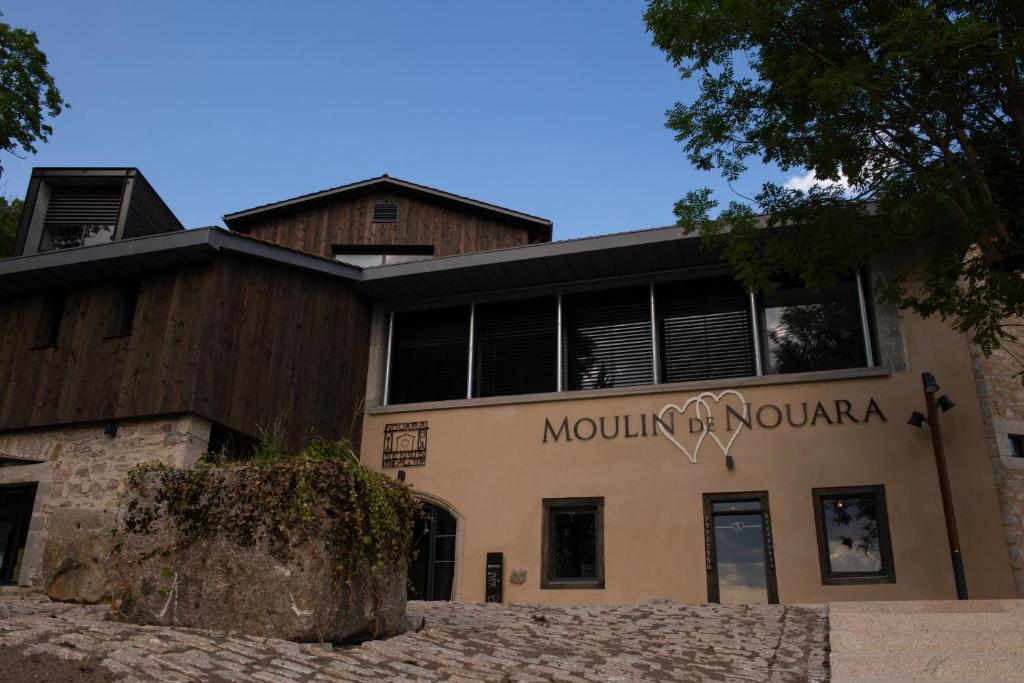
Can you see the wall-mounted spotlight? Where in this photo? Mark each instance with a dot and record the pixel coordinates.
(916, 419)
(945, 402)
(929, 382)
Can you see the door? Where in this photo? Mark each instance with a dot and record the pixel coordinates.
(740, 558)
(432, 571)
(15, 513)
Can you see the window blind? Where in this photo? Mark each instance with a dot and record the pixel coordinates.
(608, 338)
(516, 345)
(430, 355)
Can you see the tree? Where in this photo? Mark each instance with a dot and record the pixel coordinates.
(910, 115)
(10, 215)
(27, 92)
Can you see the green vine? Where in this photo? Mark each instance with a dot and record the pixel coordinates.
(322, 494)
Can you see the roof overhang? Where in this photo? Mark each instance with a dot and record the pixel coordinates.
(134, 257)
(240, 220)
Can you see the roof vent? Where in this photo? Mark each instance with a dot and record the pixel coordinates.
(385, 212)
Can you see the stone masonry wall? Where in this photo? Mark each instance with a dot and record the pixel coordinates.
(78, 484)
(1001, 392)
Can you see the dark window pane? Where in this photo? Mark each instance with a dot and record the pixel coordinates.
(852, 534)
(740, 555)
(1016, 445)
(444, 574)
(736, 506)
(608, 338)
(808, 330)
(573, 544)
(705, 330)
(430, 355)
(516, 347)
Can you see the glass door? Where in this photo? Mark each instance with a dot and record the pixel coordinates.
(432, 570)
(740, 558)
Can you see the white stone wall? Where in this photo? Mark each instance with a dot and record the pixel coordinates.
(79, 480)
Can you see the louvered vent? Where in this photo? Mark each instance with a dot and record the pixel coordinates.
(516, 344)
(385, 212)
(704, 329)
(608, 338)
(70, 206)
(430, 355)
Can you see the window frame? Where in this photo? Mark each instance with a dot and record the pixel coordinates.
(550, 505)
(831, 578)
(711, 546)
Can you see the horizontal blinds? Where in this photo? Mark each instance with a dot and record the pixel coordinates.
(608, 338)
(516, 345)
(83, 206)
(705, 330)
(430, 354)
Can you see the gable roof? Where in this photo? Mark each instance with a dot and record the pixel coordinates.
(539, 227)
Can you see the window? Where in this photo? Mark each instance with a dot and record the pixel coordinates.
(368, 256)
(608, 338)
(1016, 445)
(516, 344)
(704, 330)
(123, 318)
(430, 355)
(572, 549)
(806, 330)
(16, 503)
(853, 535)
(385, 212)
(50, 316)
(80, 217)
(739, 550)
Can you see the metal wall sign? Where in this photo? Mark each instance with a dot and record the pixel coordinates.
(405, 444)
(495, 573)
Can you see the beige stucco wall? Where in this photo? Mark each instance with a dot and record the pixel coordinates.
(488, 462)
(78, 485)
(1001, 390)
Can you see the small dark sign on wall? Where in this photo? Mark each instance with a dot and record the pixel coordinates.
(495, 574)
(405, 444)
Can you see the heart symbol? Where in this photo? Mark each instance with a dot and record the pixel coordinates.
(746, 415)
(671, 437)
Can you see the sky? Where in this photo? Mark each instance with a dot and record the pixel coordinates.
(556, 109)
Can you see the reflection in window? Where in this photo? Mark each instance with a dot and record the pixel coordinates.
(608, 338)
(853, 533)
(573, 543)
(740, 550)
(68, 236)
(807, 330)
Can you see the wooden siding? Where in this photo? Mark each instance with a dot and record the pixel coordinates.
(349, 221)
(240, 342)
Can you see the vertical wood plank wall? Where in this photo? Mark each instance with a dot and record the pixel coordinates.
(349, 221)
(240, 342)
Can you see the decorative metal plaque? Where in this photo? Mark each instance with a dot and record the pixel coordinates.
(405, 444)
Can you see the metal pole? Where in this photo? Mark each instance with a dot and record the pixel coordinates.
(472, 326)
(654, 339)
(558, 346)
(947, 498)
(387, 363)
(757, 336)
(869, 354)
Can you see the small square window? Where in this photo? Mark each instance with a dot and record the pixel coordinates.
(853, 535)
(572, 549)
(1016, 445)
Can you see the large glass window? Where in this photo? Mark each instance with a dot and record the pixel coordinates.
(573, 543)
(806, 330)
(429, 355)
(515, 347)
(853, 535)
(738, 543)
(608, 338)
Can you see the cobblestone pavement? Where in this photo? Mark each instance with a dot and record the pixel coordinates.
(459, 642)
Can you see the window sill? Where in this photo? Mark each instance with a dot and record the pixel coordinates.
(856, 580)
(572, 585)
(642, 389)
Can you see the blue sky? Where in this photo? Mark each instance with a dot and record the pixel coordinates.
(552, 108)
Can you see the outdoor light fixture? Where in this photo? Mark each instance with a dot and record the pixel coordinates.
(916, 420)
(729, 464)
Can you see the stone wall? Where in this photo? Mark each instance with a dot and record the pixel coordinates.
(1001, 394)
(78, 485)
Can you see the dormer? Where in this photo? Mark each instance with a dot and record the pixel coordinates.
(67, 208)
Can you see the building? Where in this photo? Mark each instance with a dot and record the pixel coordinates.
(600, 420)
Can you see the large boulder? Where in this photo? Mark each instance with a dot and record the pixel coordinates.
(76, 556)
(305, 549)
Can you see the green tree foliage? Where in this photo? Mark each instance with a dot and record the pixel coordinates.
(27, 91)
(10, 214)
(910, 114)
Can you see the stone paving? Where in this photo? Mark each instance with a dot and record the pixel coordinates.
(662, 641)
